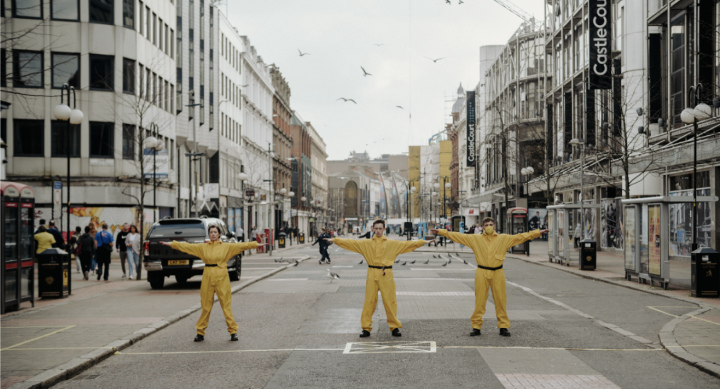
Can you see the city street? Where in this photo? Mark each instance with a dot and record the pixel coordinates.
(299, 329)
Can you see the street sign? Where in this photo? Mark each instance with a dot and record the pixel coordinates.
(250, 193)
(57, 197)
(212, 191)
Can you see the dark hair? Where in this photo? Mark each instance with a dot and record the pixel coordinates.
(42, 221)
(104, 226)
(131, 227)
(52, 223)
(42, 228)
(379, 221)
(215, 226)
(488, 219)
(78, 229)
(87, 230)
(73, 239)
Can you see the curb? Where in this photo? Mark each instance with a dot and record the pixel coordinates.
(667, 339)
(70, 369)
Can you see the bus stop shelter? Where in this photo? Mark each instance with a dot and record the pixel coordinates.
(562, 219)
(655, 240)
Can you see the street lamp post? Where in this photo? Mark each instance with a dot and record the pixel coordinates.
(409, 190)
(581, 144)
(154, 143)
(691, 116)
(446, 186)
(526, 171)
(242, 176)
(72, 116)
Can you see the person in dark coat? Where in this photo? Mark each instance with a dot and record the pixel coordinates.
(88, 246)
(323, 246)
(59, 241)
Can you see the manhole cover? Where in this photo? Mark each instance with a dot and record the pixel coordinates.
(389, 347)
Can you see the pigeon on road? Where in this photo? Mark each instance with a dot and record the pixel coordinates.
(332, 276)
(465, 262)
(434, 256)
(296, 263)
(361, 261)
(444, 264)
(426, 262)
(282, 259)
(404, 263)
(413, 262)
(397, 260)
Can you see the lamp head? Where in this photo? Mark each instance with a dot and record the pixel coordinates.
(150, 142)
(702, 111)
(688, 116)
(61, 112)
(436, 185)
(303, 198)
(76, 116)
(291, 194)
(159, 145)
(283, 191)
(242, 176)
(448, 185)
(413, 189)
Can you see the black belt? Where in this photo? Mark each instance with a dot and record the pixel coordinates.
(206, 265)
(381, 268)
(490, 268)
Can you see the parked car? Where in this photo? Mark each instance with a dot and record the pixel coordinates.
(162, 261)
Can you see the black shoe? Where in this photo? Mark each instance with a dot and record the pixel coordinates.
(199, 338)
(233, 338)
(475, 332)
(396, 332)
(320, 262)
(364, 334)
(504, 332)
(328, 261)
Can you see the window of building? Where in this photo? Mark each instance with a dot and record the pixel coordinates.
(166, 97)
(148, 85)
(32, 9)
(3, 129)
(677, 68)
(129, 13)
(101, 139)
(128, 76)
(154, 29)
(154, 95)
(101, 11)
(128, 141)
(28, 69)
(148, 24)
(102, 72)
(29, 138)
(141, 83)
(165, 40)
(160, 35)
(172, 47)
(65, 10)
(141, 18)
(65, 70)
(59, 133)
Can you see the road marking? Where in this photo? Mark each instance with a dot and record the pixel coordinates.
(693, 316)
(39, 337)
(435, 293)
(230, 351)
(554, 348)
(59, 348)
(390, 347)
(4, 327)
(696, 345)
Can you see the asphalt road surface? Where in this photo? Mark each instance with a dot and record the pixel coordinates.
(300, 330)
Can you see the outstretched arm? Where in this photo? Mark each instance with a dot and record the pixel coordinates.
(465, 239)
(349, 244)
(513, 240)
(237, 248)
(185, 247)
(404, 247)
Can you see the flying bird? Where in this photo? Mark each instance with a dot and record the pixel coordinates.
(365, 73)
(435, 60)
(399, 107)
(332, 276)
(448, 1)
(302, 54)
(346, 100)
(460, 2)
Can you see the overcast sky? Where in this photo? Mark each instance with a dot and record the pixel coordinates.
(341, 35)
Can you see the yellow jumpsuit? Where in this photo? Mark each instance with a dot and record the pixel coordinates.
(490, 252)
(379, 252)
(215, 279)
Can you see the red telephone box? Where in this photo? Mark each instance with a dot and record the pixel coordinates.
(17, 211)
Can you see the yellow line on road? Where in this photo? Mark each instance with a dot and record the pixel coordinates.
(669, 314)
(39, 337)
(697, 345)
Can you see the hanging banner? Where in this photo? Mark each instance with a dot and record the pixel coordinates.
(470, 130)
(600, 44)
(162, 159)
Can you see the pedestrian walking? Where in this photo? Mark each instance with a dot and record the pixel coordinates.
(59, 241)
(240, 235)
(215, 255)
(122, 247)
(132, 242)
(44, 240)
(41, 223)
(380, 253)
(489, 249)
(253, 234)
(323, 246)
(71, 250)
(576, 236)
(87, 246)
(105, 242)
(93, 231)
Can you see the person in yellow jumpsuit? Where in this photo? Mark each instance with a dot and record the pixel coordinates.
(490, 248)
(380, 253)
(216, 280)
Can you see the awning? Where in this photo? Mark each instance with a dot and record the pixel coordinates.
(487, 196)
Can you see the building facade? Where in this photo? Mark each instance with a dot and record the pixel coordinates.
(319, 192)
(282, 144)
(301, 180)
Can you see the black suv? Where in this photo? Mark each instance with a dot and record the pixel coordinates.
(162, 261)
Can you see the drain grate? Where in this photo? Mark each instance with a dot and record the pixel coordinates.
(389, 347)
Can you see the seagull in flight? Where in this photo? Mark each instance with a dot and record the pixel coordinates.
(448, 1)
(346, 100)
(435, 60)
(379, 44)
(332, 276)
(302, 54)
(399, 107)
(365, 73)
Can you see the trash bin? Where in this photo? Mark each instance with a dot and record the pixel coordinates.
(54, 273)
(588, 254)
(705, 277)
(281, 240)
(301, 237)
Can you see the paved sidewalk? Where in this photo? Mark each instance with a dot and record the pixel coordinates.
(700, 335)
(61, 336)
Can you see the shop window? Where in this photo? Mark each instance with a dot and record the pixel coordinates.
(29, 138)
(101, 139)
(101, 11)
(65, 70)
(3, 67)
(65, 10)
(102, 72)
(58, 139)
(28, 67)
